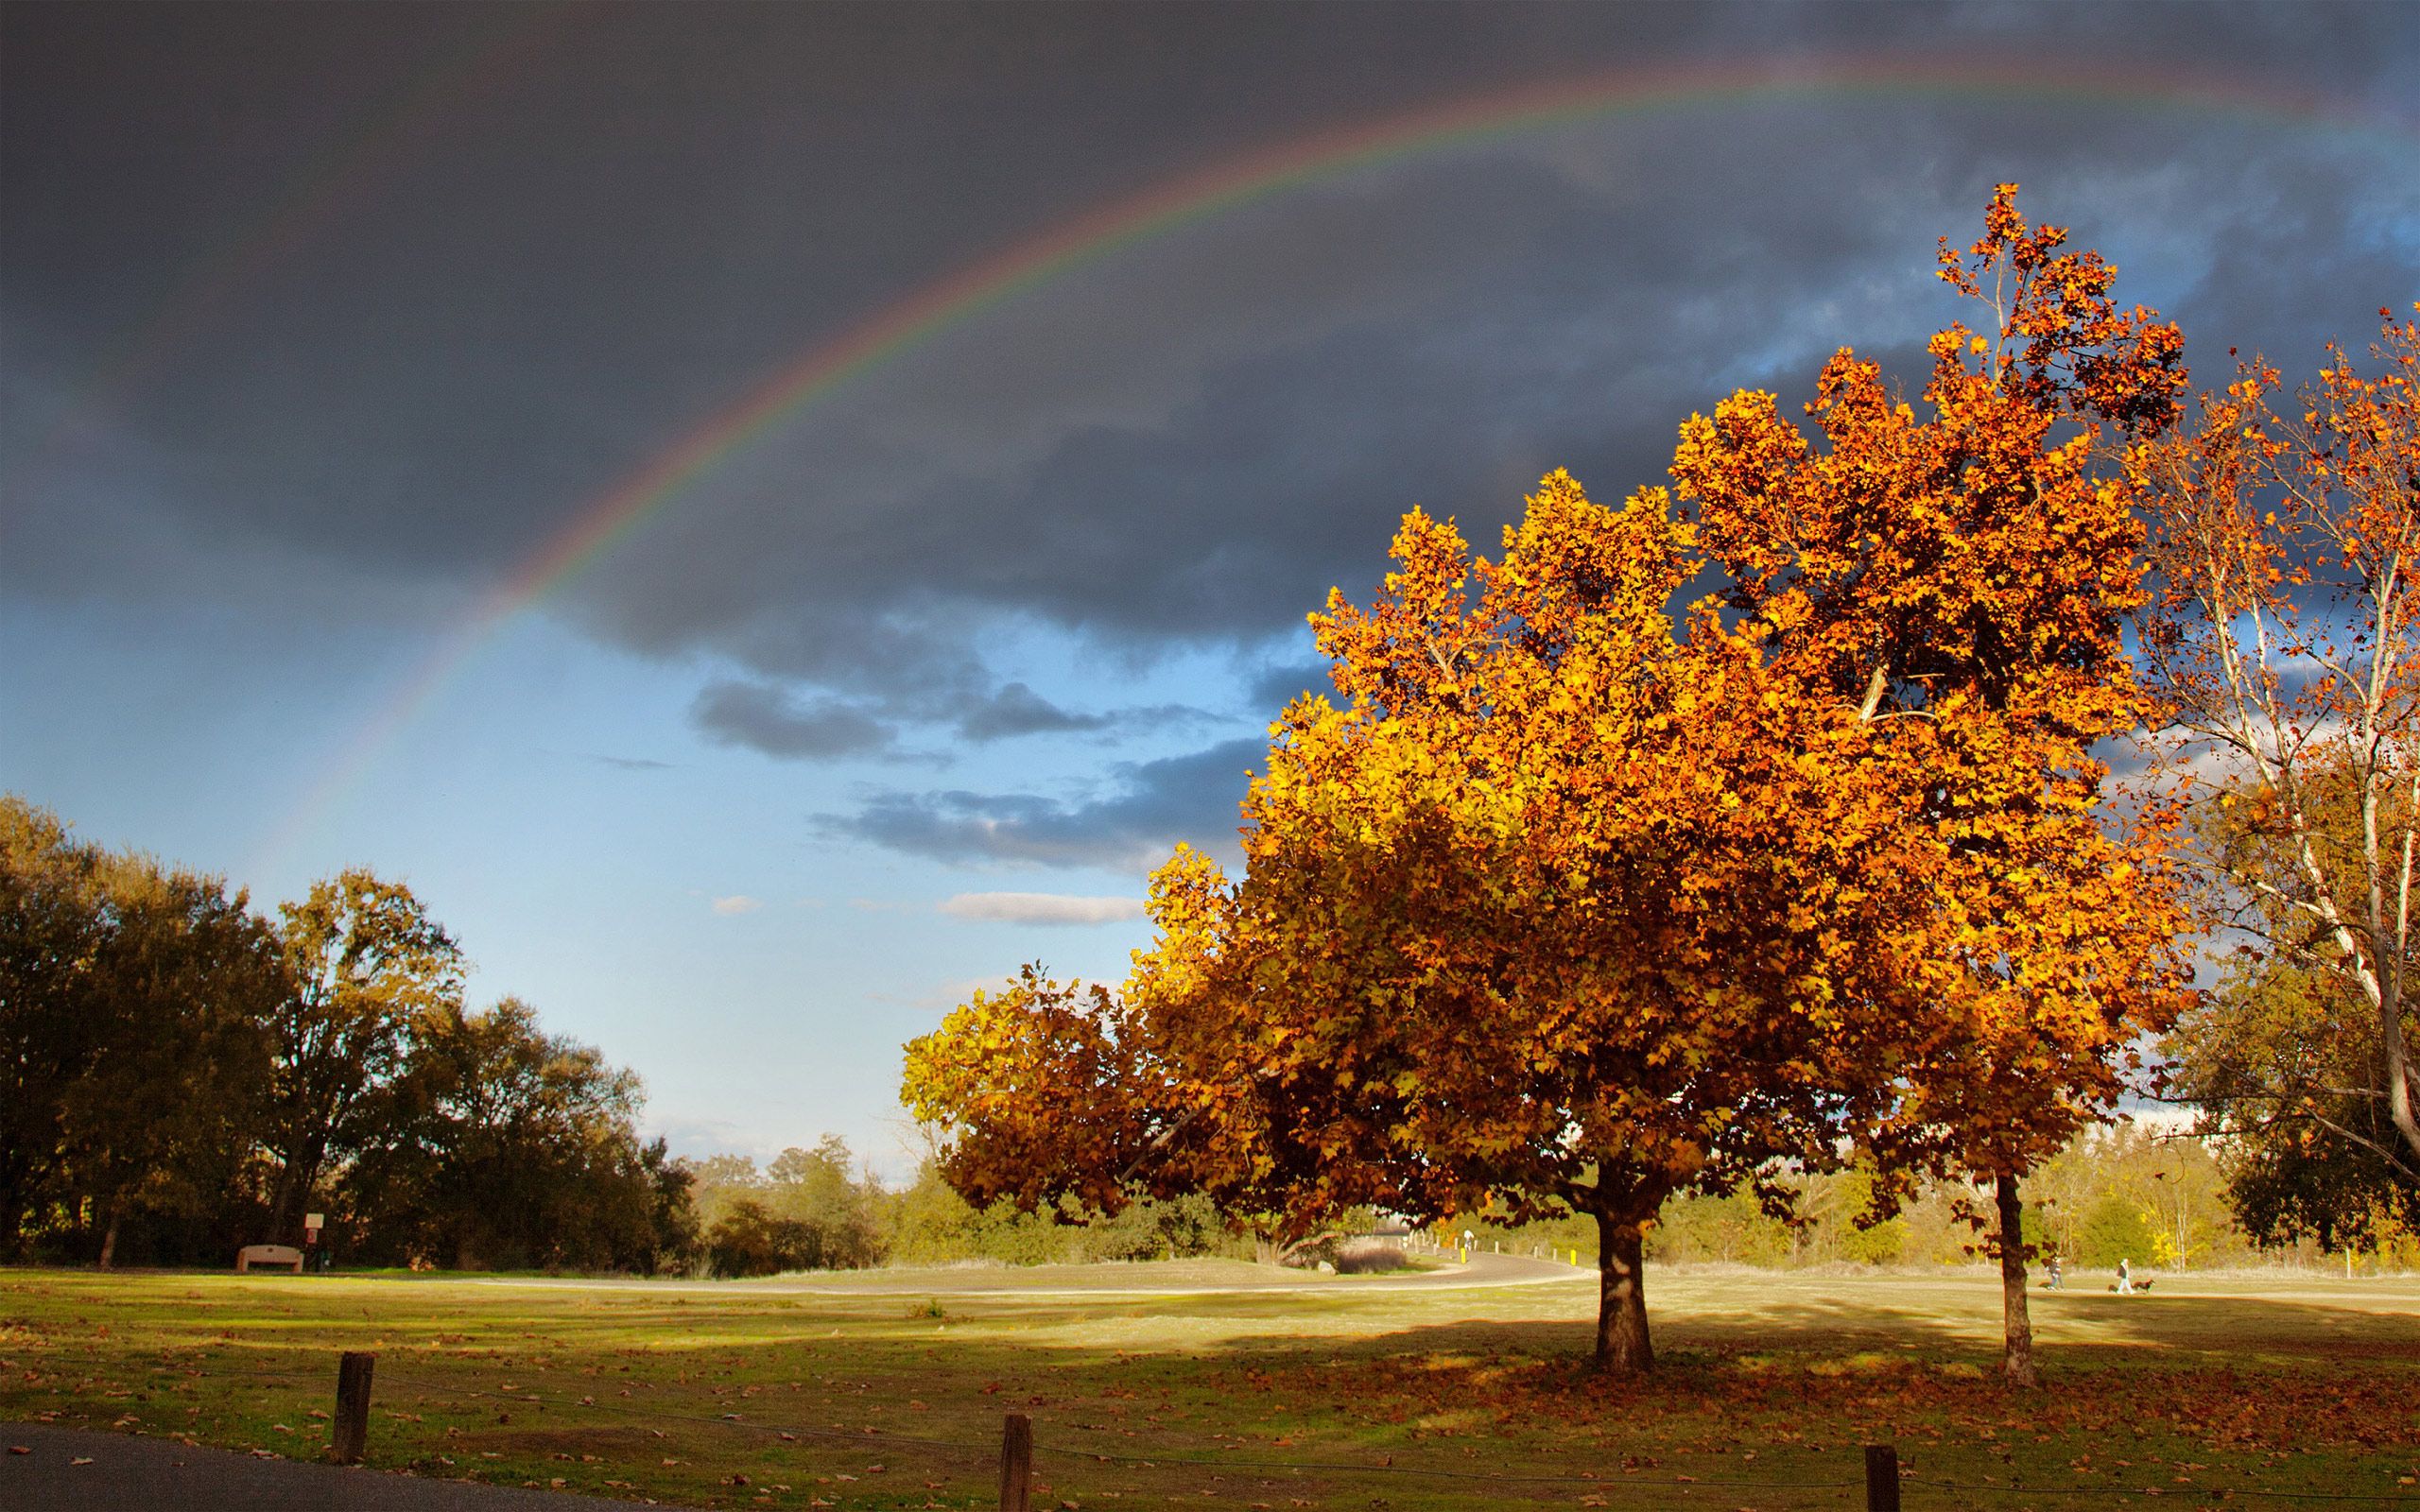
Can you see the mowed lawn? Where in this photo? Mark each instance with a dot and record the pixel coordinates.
(888, 1390)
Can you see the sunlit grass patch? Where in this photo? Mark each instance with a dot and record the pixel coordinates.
(1150, 1396)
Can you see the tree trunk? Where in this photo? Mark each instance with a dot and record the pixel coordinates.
(2017, 1363)
(109, 1238)
(292, 1193)
(1622, 1346)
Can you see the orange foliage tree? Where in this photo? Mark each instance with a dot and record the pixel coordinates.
(2283, 645)
(1573, 903)
(1561, 910)
(1964, 575)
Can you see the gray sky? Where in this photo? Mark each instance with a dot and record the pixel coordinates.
(319, 323)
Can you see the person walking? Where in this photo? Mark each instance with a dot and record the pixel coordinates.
(2125, 1278)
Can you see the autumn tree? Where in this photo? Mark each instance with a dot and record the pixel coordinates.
(2273, 1022)
(2283, 1055)
(1573, 903)
(2286, 529)
(1039, 1090)
(365, 964)
(1560, 911)
(1068, 1100)
(1962, 575)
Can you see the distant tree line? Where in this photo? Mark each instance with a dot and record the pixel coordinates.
(822, 1209)
(181, 1076)
(2163, 1199)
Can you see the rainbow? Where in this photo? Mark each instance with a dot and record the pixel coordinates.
(608, 520)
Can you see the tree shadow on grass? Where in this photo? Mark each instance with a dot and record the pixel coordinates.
(1794, 1370)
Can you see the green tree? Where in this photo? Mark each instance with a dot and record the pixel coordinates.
(502, 1145)
(2115, 1228)
(2284, 1059)
(51, 928)
(365, 967)
(839, 1204)
(130, 1057)
(156, 1125)
(716, 1182)
(749, 1240)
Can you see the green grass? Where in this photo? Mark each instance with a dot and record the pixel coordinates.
(893, 1384)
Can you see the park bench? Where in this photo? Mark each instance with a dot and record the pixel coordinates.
(285, 1255)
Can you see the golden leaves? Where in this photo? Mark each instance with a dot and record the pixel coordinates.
(1577, 886)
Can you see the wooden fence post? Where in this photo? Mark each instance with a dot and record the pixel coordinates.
(353, 1407)
(1016, 1463)
(1881, 1478)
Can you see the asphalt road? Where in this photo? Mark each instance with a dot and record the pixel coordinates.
(70, 1469)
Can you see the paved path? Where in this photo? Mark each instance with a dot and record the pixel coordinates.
(70, 1469)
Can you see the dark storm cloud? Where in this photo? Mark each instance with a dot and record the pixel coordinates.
(1278, 686)
(457, 280)
(1191, 797)
(2308, 251)
(772, 721)
(1017, 710)
(562, 246)
(1268, 476)
(781, 722)
(1276, 472)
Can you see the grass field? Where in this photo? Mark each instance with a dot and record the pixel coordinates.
(886, 1390)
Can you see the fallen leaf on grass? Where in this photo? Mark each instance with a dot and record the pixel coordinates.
(81, 1459)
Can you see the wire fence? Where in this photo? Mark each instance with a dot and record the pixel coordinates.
(965, 1455)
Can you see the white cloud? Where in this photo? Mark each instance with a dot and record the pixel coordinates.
(1042, 908)
(738, 903)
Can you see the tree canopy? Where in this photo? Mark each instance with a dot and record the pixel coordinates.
(184, 1075)
(2282, 645)
(1574, 899)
